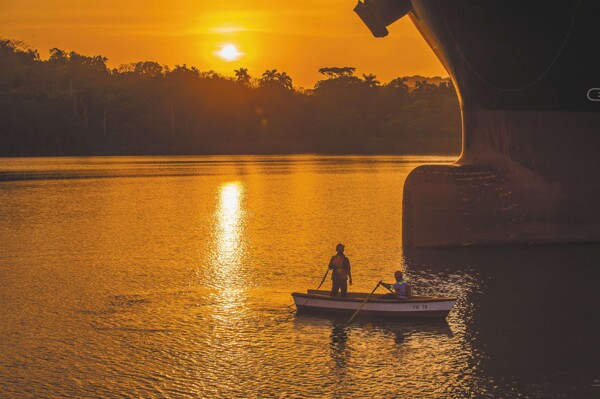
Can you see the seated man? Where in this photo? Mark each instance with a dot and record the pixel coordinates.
(402, 289)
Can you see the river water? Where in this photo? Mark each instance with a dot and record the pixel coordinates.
(171, 277)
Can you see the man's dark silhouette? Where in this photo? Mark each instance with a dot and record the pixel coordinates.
(340, 266)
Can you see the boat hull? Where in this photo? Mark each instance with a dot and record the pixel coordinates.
(376, 307)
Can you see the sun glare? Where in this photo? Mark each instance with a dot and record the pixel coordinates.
(229, 53)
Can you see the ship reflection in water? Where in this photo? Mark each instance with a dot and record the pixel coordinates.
(526, 314)
(171, 277)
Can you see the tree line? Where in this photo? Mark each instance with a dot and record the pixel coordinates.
(74, 104)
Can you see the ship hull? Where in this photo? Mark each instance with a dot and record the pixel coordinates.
(525, 74)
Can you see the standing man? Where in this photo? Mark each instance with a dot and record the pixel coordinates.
(340, 266)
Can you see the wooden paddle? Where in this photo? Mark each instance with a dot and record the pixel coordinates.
(363, 304)
(388, 288)
(313, 294)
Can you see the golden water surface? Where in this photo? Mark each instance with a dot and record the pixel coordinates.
(171, 277)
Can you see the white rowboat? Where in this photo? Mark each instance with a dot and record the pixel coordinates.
(377, 306)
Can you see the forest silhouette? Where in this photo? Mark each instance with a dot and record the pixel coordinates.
(73, 104)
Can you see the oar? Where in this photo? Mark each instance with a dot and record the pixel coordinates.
(313, 294)
(388, 288)
(363, 304)
(323, 279)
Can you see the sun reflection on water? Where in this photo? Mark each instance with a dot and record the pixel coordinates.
(229, 245)
(229, 216)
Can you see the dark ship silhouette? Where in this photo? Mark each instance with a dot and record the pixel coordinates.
(527, 74)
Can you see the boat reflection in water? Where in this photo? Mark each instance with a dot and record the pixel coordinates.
(362, 353)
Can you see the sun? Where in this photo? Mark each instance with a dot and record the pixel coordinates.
(229, 52)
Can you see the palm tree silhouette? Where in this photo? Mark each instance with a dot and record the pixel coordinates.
(422, 87)
(285, 80)
(270, 75)
(371, 80)
(273, 78)
(242, 76)
(400, 83)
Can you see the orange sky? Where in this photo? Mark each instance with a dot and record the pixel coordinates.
(294, 36)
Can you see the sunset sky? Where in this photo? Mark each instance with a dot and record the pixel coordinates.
(294, 36)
